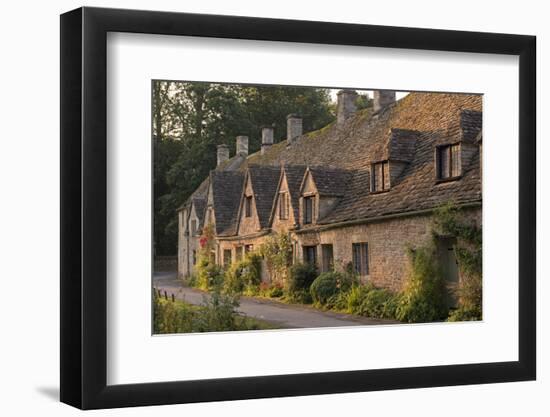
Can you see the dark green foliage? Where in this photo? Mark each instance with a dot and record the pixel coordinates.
(449, 221)
(328, 285)
(301, 277)
(191, 118)
(217, 313)
(274, 290)
(208, 274)
(244, 276)
(423, 299)
(379, 303)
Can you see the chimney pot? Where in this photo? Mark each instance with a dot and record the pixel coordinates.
(383, 98)
(345, 105)
(267, 138)
(293, 127)
(242, 145)
(223, 153)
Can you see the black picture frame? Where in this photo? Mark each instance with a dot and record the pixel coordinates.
(84, 207)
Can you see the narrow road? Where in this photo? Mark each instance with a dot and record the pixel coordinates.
(283, 315)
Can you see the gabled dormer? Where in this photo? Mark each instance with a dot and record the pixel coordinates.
(195, 219)
(248, 217)
(391, 158)
(453, 155)
(257, 198)
(320, 191)
(285, 213)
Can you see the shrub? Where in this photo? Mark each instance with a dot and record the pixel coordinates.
(277, 252)
(423, 299)
(218, 313)
(271, 290)
(244, 276)
(379, 303)
(468, 251)
(355, 296)
(301, 277)
(464, 314)
(209, 275)
(328, 285)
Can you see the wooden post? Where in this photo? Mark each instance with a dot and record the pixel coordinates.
(165, 295)
(173, 299)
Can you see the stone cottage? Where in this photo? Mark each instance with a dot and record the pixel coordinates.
(354, 193)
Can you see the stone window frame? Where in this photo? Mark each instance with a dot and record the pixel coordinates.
(247, 206)
(193, 227)
(458, 158)
(305, 217)
(284, 205)
(386, 186)
(324, 266)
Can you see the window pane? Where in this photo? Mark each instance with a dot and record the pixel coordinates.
(455, 155)
(444, 162)
(308, 203)
(386, 169)
(365, 258)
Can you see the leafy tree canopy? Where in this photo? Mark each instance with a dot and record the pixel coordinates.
(191, 118)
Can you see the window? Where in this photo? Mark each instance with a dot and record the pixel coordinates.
(283, 206)
(226, 257)
(448, 161)
(248, 206)
(308, 209)
(310, 255)
(194, 257)
(239, 253)
(361, 258)
(328, 258)
(380, 176)
(193, 230)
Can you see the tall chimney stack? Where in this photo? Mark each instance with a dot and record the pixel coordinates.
(293, 127)
(383, 98)
(346, 105)
(267, 138)
(223, 153)
(242, 145)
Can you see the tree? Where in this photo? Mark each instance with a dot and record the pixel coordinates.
(190, 119)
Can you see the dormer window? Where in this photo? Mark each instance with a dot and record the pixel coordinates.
(308, 209)
(380, 176)
(248, 206)
(448, 162)
(283, 206)
(193, 227)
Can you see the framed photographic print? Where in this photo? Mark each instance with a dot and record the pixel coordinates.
(283, 208)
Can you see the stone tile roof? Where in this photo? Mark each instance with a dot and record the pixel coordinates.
(294, 176)
(200, 208)
(226, 189)
(264, 181)
(330, 181)
(340, 156)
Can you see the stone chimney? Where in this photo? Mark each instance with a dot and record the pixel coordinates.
(223, 153)
(293, 127)
(242, 145)
(346, 105)
(267, 138)
(383, 98)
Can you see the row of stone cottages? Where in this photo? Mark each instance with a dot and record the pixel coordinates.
(356, 191)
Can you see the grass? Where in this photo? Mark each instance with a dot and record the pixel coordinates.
(172, 317)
